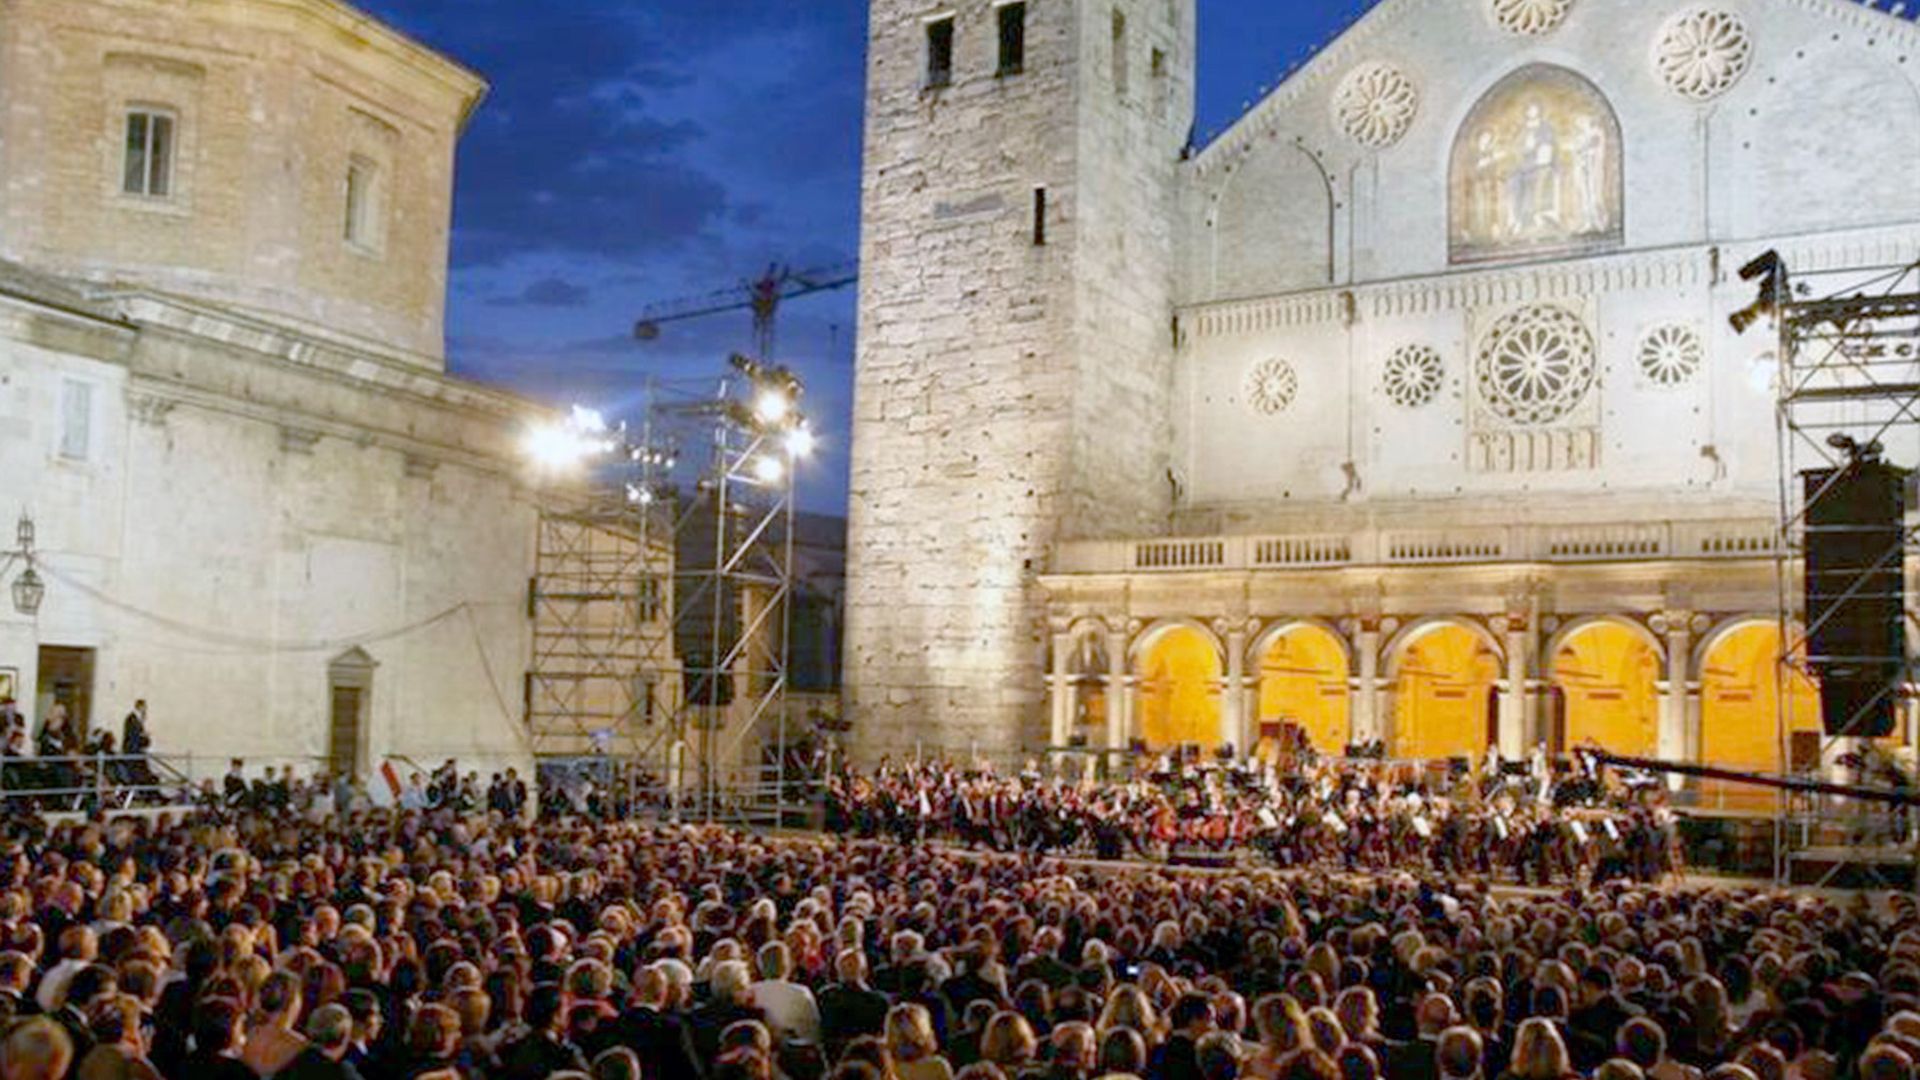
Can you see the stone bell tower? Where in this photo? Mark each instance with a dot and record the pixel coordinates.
(1014, 369)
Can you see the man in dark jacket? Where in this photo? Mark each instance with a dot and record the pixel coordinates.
(850, 1008)
(330, 1036)
(545, 1049)
(1179, 1057)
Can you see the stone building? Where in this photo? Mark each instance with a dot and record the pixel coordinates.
(259, 501)
(1406, 409)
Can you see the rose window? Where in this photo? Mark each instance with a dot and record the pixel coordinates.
(1531, 17)
(1535, 365)
(1702, 52)
(1412, 376)
(1375, 104)
(1669, 355)
(1271, 386)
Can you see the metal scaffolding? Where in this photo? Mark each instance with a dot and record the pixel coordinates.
(663, 617)
(602, 639)
(1848, 389)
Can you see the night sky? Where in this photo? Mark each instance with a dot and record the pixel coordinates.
(634, 151)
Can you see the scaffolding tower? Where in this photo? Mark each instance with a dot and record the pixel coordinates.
(662, 615)
(1848, 380)
(602, 657)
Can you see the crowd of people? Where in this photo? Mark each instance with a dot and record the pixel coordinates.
(444, 944)
(1543, 822)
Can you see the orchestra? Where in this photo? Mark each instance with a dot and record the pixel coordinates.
(1546, 821)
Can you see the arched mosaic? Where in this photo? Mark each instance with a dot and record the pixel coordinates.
(1536, 170)
(1535, 365)
(1701, 52)
(1670, 354)
(1271, 386)
(1375, 104)
(1412, 376)
(1531, 18)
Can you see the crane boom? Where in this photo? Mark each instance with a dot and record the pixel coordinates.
(763, 296)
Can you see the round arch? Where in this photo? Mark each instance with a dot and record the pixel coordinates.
(1707, 642)
(1444, 674)
(1178, 665)
(1300, 670)
(1573, 628)
(1741, 695)
(1396, 646)
(1536, 166)
(1159, 628)
(1088, 669)
(1605, 671)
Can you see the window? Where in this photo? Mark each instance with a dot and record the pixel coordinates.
(149, 163)
(1119, 52)
(940, 51)
(1039, 217)
(1013, 38)
(362, 203)
(76, 419)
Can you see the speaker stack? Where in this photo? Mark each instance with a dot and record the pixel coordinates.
(1855, 592)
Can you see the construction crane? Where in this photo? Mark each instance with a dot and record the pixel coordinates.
(763, 296)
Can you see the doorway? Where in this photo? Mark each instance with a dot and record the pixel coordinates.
(349, 692)
(66, 678)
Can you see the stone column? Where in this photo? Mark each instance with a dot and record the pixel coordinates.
(1364, 703)
(1516, 698)
(1233, 695)
(1119, 690)
(1060, 685)
(1676, 689)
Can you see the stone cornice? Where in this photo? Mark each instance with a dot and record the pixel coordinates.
(342, 18)
(387, 370)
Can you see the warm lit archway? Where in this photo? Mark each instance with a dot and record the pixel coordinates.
(1179, 672)
(1303, 683)
(1609, 676)
(1740, 704)
(1443, 704)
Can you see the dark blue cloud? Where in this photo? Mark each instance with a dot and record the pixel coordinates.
(550, 292)
(634, 151)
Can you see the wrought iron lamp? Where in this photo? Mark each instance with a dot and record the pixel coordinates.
(28, 589)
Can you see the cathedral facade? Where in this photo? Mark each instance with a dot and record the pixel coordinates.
(1406, 410)
(256, 499)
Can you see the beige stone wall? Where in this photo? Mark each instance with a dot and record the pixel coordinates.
(248, 506)
(1006, 393)
(271, 102)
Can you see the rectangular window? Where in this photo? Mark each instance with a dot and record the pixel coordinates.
(1039, 217)
(362, 197)
(1119, 52)
(149, 162)
(1013, 37)
(940, 51)
(76, 419)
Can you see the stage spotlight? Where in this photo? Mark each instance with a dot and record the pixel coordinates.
(772, 405)
(565, 445)
(1767, 269)
(1765, 264)
(800, 441)
(767, 469)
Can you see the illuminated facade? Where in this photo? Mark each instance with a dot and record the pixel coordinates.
(1406, 410)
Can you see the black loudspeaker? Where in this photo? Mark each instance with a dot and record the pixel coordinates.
(1855, 593)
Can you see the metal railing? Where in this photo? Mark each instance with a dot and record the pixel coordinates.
(86, 782)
